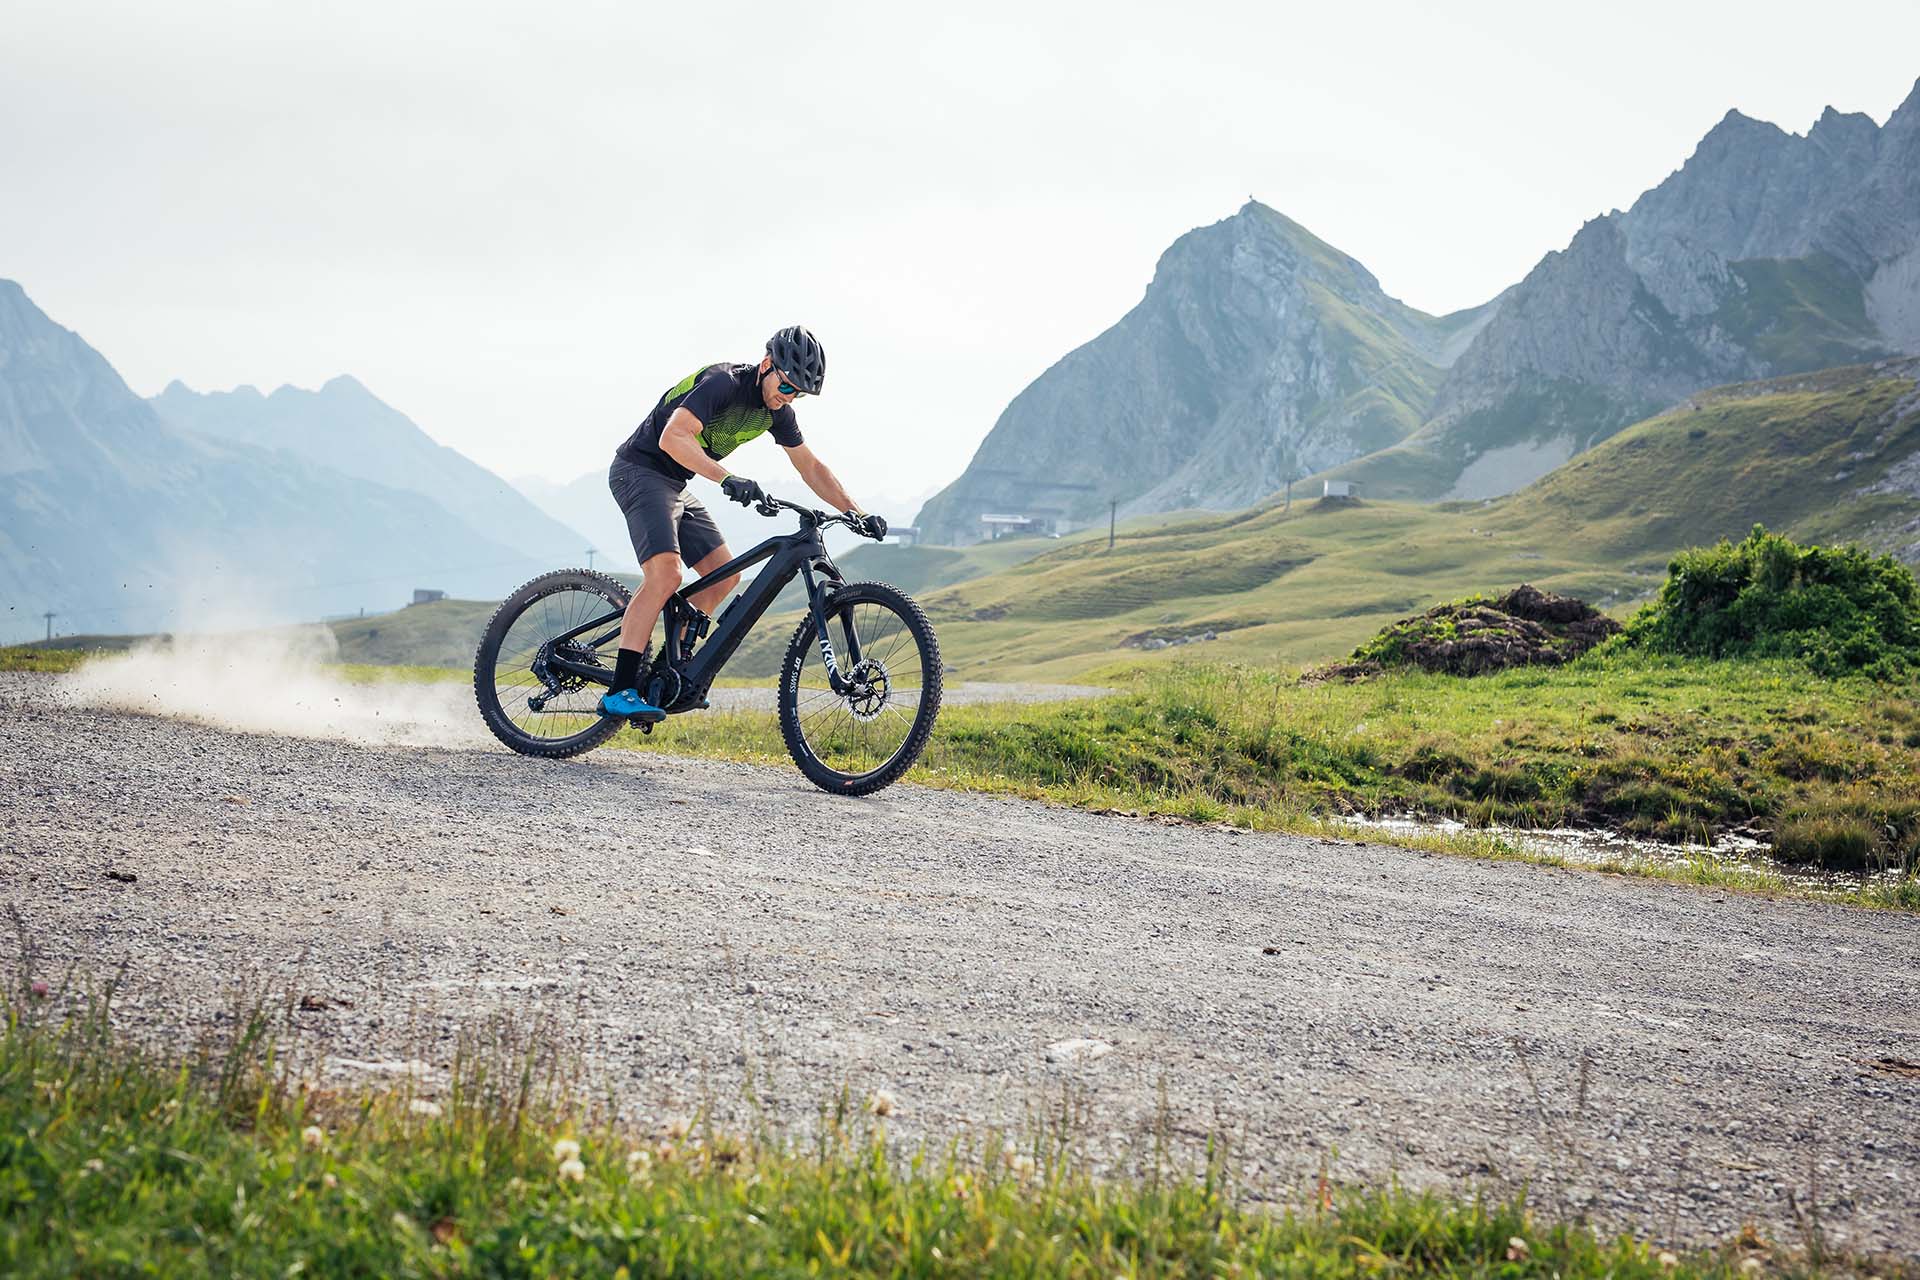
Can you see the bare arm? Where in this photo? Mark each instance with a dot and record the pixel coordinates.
(825, 485)
(681, 442)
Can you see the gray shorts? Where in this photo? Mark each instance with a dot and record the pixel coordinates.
(661, 514)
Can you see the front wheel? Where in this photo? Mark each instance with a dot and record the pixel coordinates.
(859, 740)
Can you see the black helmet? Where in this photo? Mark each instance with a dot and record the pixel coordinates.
(799, 355)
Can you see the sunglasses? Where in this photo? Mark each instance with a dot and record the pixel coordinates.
(787, 388)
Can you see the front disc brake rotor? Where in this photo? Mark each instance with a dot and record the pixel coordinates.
(868, 696)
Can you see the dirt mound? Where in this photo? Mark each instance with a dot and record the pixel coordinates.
(1523, 628)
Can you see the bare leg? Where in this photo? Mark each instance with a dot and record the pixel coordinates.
(660, 579)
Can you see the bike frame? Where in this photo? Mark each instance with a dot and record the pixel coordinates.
(802, 552)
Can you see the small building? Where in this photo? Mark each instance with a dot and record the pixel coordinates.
(904, 534)
(1340, 488)
(1001, 525)
(426, 595)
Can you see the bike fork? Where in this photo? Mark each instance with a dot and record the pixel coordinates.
(837, 682)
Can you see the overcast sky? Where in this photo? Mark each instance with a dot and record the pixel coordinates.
(519, 224)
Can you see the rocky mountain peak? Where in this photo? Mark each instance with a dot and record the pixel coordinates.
(1260, 353)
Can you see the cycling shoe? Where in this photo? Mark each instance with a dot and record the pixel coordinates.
(629, 705)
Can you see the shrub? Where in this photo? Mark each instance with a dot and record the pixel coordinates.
(1834, 842)
(1842, 610)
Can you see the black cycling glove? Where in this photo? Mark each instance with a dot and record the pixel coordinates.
(870, 526)
(742, 490)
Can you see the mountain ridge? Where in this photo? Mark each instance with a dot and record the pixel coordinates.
(1766, 253)
(344, 426)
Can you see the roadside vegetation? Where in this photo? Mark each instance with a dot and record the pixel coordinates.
(1842, 609)
(117, 1162)
(1673, 748)
(20, 657)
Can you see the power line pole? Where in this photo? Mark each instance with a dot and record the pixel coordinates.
(591, 553)
(1113, 515)
(49, 615)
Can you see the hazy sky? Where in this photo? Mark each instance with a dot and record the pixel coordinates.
(518, 224)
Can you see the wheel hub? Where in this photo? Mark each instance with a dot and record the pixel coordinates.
(867, 696)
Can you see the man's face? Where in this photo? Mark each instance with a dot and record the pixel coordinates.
(770, 380)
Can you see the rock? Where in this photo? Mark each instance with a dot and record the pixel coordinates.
(1077, 1050)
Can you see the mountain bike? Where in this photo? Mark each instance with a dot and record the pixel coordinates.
(857, 692)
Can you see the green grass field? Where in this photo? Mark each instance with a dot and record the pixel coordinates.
(117, 1162)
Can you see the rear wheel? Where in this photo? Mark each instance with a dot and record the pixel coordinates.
(859, 740)
(531, 708)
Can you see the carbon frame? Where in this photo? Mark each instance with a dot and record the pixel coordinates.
(802, 552)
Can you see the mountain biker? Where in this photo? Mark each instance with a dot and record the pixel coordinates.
(698, 422)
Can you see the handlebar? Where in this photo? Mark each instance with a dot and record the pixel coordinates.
(772, 506)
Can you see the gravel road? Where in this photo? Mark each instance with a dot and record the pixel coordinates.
(1321, 1003)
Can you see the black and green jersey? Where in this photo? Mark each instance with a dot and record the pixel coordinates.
(726, 399)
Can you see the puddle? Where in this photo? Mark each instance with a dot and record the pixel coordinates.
(1583, 846)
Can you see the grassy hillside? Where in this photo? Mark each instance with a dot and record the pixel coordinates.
(442, 634)
(1802, 455)
(1272, 586)
(917, 569)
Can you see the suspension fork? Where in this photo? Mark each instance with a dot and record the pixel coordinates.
(816, 594)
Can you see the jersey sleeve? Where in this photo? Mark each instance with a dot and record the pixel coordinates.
(786, 428)
(710, 394)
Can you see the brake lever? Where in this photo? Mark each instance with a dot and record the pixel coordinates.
(766, 508)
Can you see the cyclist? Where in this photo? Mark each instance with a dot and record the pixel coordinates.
(700, 421)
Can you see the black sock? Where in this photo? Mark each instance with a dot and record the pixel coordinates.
(626, 669)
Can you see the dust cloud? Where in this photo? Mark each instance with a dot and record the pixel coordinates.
(277, 681)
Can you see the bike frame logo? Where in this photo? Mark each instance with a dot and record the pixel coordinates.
(826, 652)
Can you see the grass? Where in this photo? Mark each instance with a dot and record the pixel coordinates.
(1670, 748)
(115, 1161)
(33, 658)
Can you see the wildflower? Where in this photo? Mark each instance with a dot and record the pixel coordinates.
(1517, 1250)
(95, 1166)
(39, 990)
(312, 1137)
(960, 1187)
(637, 1161)
(1022, 1166)
(422, 1107)
(664, 1151)
(328, 1181)
(678, 1128)
(566, 1149)
(572, 1171)
(1668, 1260)
(401, 1222)
(1751, 1266)
(881, 1103)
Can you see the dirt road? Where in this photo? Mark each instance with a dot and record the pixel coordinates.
(1320, 1003)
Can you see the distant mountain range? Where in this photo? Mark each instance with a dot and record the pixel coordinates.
(1261, 354)
(121, 515)
(345, 427)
